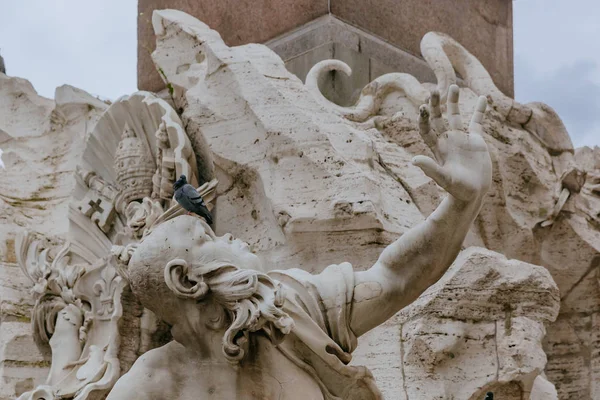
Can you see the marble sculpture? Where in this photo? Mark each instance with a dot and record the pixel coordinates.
(290, 334)
(373, 235)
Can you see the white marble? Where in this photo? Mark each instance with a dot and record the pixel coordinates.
(343, 216)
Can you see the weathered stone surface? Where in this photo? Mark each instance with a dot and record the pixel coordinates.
(479, 329)
(263, 128)
(22, 365)
(401, 25)
(309, 183)
(380, 350)
(84, 313)
(330, 38)
(42, 140)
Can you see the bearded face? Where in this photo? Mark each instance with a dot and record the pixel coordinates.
(182, 263)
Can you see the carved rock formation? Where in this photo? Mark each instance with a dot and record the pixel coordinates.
(479, 329)
(358, 188)
(42, 141)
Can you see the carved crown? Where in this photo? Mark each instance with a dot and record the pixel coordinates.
(134, 167)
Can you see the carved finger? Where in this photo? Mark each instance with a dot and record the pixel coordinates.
(454, 119)
(432, 170)
(423, 120)
(436, 113)
(475, 125)
(428, 136)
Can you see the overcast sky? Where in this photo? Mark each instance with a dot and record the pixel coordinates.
(92, 45)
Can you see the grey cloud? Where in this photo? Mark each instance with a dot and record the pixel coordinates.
(557, 61)
(570, 90)
(90, 45)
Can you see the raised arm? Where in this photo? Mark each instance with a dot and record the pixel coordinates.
(415, 261)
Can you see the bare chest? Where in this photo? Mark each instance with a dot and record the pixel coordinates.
(258, 384)
(265, 376)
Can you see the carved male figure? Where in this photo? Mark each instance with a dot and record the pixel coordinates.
(241, 333)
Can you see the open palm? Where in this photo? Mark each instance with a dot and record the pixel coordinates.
(463, 166)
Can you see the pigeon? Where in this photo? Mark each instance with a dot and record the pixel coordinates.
(1, 162)
(189, 198)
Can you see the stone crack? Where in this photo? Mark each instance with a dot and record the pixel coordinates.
(402, 363)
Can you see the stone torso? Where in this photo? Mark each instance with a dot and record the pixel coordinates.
(173, 372)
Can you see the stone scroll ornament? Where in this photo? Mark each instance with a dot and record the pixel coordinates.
(123, 187)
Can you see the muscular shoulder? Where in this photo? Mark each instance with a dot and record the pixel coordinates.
(340, 273)
(162, 357)
(149, 377)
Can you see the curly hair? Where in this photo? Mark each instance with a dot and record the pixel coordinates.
(251, 301)
(43, 318)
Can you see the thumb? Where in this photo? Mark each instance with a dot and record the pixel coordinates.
(432, 169)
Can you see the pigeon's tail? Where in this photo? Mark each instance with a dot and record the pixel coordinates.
(207, 216)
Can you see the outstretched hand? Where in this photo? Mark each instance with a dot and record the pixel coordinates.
(463, 166)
